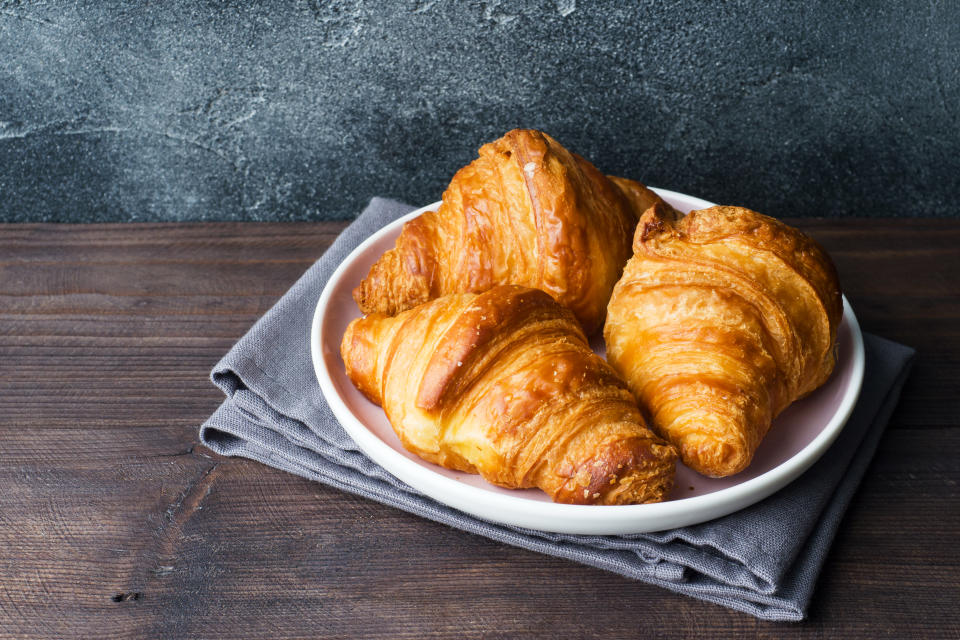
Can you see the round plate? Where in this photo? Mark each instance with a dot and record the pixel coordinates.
(799, 436)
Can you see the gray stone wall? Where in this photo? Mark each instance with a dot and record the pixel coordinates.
(304, 110)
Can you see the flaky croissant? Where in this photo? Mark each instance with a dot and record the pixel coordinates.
(720, 321)
(527, 212)
(504, 384)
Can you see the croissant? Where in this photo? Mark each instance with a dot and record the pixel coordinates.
(720, 321)
(527, 212)
(504, 384)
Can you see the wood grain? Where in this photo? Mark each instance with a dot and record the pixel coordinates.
(114, 522)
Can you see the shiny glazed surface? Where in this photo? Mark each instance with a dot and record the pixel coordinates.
(504, 384)
(810, 426)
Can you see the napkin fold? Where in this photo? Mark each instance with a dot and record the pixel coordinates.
(763, 560)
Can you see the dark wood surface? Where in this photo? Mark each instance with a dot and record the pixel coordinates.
(115, 523)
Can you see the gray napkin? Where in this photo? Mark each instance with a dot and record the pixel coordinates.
(763, 560)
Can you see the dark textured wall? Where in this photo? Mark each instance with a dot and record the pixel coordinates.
(304, 110)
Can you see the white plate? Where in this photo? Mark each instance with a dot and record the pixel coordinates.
(797, 439)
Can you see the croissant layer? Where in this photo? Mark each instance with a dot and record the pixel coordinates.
(721, 320)
(504, 384)
(526, 211)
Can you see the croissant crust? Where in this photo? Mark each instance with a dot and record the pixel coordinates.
(721, 320)
(504, 384)
(526, 211)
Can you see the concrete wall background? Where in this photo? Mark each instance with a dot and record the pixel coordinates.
(304, 110)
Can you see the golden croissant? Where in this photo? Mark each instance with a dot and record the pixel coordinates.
(527, 212)
(504, 384)
(722, 319)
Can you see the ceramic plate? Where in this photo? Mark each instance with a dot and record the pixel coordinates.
(797, 439)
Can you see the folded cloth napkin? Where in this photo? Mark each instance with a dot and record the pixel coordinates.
(762, 560)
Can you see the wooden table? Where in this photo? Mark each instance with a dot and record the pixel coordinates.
(115, 523)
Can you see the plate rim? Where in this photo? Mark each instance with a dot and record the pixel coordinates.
(566, 518)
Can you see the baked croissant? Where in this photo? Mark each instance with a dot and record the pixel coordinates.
(720, 321)
(504, 384)
(526, 211)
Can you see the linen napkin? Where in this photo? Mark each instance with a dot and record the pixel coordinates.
(763, 560)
